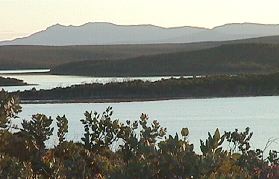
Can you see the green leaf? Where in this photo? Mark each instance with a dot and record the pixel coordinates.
(217, 135)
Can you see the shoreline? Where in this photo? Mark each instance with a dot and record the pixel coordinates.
(122, 100)
(169, 89)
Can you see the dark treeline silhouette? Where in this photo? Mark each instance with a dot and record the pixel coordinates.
(197, 87)
(11, 82)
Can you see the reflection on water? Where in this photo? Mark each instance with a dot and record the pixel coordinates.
(261, 114)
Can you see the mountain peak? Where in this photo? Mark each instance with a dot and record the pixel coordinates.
(105, 33)
(55, 26)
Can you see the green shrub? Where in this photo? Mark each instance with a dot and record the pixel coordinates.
(111, 149)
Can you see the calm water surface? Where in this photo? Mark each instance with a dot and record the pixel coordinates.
(261, 114)
(47, 81)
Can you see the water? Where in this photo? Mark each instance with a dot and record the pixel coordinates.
(201, 116)
(48, 81)
(24, 71)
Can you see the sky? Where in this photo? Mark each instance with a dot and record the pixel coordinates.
(20, 18)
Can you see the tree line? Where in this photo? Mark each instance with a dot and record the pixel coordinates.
(197, 87)
(11, 82)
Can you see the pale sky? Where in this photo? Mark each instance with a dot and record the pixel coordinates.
(23, 17)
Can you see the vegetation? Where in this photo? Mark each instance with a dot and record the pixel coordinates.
(11, 82)
(134, 149)
(224, 59)
(212, 86)
(26, 57)
(30, 57)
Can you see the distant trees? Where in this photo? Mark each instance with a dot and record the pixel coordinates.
(11, 82)
(209, 86)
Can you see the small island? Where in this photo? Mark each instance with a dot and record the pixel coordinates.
(11, 82)
(181, 88)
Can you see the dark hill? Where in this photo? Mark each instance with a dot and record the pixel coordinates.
(225, 59)
(22, 57)
(11, 82)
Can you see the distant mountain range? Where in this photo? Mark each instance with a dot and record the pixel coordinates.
(102, 33)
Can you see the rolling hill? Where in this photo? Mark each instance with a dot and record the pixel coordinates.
(24, 57)
(224, 59)
(30, 57)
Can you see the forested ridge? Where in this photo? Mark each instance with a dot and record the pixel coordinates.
(26, 57)
(32, 57)
(224, 59)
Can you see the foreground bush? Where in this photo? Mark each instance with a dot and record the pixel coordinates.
(111, 149)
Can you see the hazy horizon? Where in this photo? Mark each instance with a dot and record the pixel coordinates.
(22, 18)
(22, 35)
